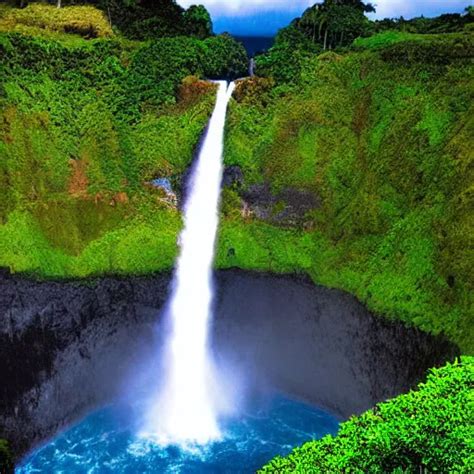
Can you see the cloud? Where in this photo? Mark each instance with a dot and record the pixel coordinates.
(248, 7)
(412, 8)
(385, 8)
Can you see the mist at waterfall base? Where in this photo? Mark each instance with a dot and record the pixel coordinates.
(186, 409)
(105, 442)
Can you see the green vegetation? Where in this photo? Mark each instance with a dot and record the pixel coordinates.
(325, 26)
(382, 137)
(84, 126)
(427, 430)
(85, 21)
(6, 460)
(374, 129)
(340, 25)
(134, 19)
(447, 23)
(335, 23)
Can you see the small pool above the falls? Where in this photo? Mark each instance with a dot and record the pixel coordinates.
(105, 442)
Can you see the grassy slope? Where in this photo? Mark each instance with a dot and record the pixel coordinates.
(86, 120)
(426, 430)
(83, 127)
(75, 169)
(383, 137)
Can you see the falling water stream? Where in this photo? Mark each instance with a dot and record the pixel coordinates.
(187, 406)
(185, 430)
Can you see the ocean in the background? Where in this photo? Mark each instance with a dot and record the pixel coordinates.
(256, 44)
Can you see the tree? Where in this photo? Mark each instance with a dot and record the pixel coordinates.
(197, 21)
(335, 22)
(144, 19)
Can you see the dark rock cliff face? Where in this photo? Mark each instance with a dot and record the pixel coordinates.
(67, 347)
(64, 348)
(288, 207)
(319, 344)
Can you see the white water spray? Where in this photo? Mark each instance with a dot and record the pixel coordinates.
(187, 407)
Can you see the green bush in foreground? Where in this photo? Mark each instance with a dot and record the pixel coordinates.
(426, 430)
(6, 461)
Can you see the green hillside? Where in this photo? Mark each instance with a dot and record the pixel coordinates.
(380, 141)
(85, 125)
(349, 158)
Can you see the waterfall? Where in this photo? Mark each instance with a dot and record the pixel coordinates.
(252, 67)
(187, 406)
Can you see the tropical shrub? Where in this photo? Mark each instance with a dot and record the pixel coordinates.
(223, 50)
(427, 430)
(85, 21)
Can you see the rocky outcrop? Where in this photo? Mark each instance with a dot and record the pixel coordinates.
(68, 347)
(318, 344)
(288, 207)
(233, 176)
(65, 347)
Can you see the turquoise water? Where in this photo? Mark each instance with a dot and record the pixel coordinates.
(105, 442)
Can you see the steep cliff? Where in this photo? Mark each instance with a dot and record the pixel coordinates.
(69, 347)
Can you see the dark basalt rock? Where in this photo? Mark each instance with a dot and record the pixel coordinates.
(288, 207)
(233, 177)
(66, 348)
(319, 344)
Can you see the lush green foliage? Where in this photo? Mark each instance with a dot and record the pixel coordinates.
(197, 21)
(335, 24)
(326, 25)
(260, 246)
(85, 21)
(146, 19)
(135, 19)
(427, 430)
(447, 23)
(84, 125)
(6, 460)
(383, 139)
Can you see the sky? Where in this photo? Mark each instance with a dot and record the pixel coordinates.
(265, 17)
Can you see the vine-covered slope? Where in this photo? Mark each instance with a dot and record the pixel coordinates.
(360, 173)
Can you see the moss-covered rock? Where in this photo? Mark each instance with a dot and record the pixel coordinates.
(85, 21)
